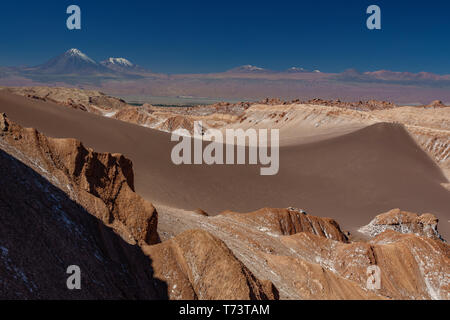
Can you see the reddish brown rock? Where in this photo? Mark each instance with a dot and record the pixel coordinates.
(197, 265)
(100, 182)
(411, 267)
(436, 104)
(404, 222)
(177, 122)
(43, 232)
(306, 264)
(137, 115)
(84, 100)
(290, 221)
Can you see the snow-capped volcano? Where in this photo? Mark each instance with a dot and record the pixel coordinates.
(248, 68)
(78, 54)
(72, 61)
(75, 62)
(121, 65)
(296, 69)
(121, 62)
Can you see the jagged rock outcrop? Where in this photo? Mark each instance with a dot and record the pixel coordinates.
(411, 267)
(286, 247)
(404, 222)
(137, 115)
(368, 105)
(84, 100)
(197, 265)
(288, 222)
(102, 183)
(43, 232)
(436, 104)
(177, 122)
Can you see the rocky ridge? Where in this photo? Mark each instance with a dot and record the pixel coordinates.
(84, 100)
(311, 258)
(424, 225)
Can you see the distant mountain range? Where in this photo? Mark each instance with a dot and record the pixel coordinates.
(74, 62)
(120, 64)
(121, 76)
(248, 69)
(386, 75)
(254, 69)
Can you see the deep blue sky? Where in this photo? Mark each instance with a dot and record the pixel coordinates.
(210, 36)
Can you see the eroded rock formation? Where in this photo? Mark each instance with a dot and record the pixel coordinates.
(197, 265)
(100, 182)
(308, 257)
(404, 222)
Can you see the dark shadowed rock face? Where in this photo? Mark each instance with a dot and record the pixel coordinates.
(43, 232)
(103, 183)
(62, 204)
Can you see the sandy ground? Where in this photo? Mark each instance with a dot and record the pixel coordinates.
(350, 177)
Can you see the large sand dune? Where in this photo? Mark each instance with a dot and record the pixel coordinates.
(351, 177)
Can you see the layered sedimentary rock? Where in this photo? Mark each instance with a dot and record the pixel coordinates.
(411, 267)
(137, 115)
(288, 222)
(197, 265)
(85, 100)
(308, 257)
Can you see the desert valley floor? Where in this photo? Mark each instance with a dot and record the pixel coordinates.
(346, 163)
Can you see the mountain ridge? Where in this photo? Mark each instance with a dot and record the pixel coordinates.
(120, 76)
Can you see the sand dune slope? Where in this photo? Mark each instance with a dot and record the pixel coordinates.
(350, 178)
